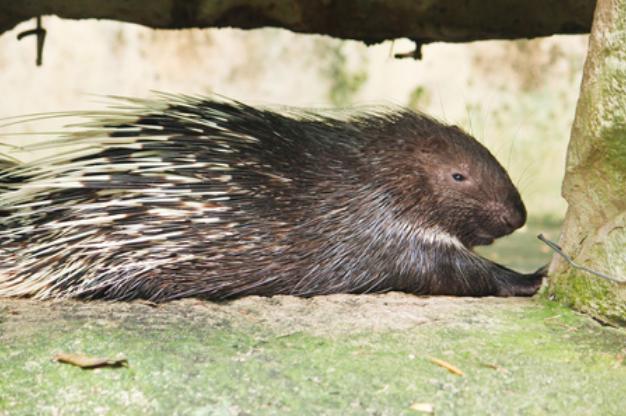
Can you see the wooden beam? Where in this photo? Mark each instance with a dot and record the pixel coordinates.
(370, 21)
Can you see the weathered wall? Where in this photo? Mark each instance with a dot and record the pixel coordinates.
(595, 182)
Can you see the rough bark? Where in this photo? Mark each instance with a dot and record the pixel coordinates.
(594, 233)
(369, 21)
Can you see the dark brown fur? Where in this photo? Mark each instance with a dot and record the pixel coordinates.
(308, 205)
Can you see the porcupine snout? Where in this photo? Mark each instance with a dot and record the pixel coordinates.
(513, 215)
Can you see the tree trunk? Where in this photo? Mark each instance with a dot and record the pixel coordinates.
(594, 233)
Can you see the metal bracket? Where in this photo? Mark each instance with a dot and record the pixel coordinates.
(40, 32)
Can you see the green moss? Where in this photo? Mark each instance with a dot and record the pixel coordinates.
(587, 293)
(539, 359)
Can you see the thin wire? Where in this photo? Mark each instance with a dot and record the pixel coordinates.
(558, 250)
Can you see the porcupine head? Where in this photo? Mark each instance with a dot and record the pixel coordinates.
(447, 181)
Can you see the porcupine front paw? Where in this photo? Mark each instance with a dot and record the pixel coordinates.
(515, 284)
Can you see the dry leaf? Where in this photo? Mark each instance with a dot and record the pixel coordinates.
(447, 366)
(84, 361)
(423, 407)
(146, 302)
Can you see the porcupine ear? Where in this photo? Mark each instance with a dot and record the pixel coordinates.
(432, 144)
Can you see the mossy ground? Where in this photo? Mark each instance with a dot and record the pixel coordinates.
(320, 356)
(338, 354)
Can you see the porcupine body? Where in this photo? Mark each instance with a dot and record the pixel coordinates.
(201, 197)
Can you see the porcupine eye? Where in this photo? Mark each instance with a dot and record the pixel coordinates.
(458, 177)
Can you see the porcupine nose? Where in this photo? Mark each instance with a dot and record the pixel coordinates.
(515, 216)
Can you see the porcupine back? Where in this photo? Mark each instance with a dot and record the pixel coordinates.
(186, 196)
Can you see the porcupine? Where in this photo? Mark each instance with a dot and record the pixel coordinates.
(205, 197)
